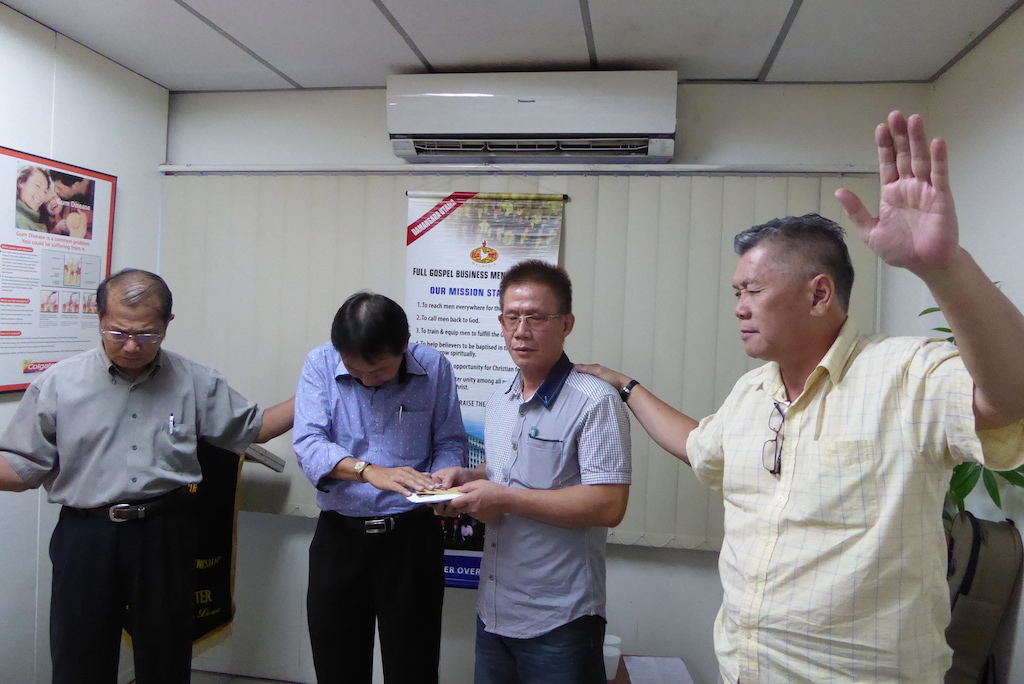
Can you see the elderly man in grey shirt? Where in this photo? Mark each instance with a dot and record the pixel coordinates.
(111, 434)
(556, 477)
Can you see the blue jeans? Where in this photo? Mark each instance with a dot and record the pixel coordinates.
(570, 654)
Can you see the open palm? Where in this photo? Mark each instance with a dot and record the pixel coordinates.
(916, 227)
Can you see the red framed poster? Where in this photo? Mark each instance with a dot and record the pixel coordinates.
(54, 250)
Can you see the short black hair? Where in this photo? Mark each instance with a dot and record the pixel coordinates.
(370, 326)
(136, 288)
(68, 179)
(816, 244)
(543, 273)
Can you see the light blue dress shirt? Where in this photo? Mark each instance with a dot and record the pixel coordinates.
(413, 420)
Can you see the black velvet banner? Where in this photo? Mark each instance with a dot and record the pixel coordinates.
(216, 516)
(215, 555)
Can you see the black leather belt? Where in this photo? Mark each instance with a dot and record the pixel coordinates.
(384, 523)
(123, 512)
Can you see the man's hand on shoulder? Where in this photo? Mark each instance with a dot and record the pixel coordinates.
(613, 378)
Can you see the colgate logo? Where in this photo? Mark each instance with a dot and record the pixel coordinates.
(35, 366)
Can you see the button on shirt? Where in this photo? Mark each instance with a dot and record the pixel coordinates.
(534, 576)
(413, 420)
(93, 437)
(834, 570)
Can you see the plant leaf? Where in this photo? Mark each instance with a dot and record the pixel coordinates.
(963, 483)
(961, 473)
(1014, 477)
(992, 486)
(945, 330)
(931, 309)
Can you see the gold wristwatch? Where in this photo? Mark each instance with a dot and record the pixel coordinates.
(359, 467)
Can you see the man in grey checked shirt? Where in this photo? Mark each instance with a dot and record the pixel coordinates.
(556, 477)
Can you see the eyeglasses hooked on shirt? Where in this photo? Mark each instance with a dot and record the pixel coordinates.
(771, 452)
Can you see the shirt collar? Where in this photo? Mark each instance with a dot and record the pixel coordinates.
(410, 366)
(113, 370)
(552, 385)
(832, 364)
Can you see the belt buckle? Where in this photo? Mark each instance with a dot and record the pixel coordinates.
(379, 525)
(112, 512)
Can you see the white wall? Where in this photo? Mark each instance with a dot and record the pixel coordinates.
(977, 107)
(64, 102)
(797, 126)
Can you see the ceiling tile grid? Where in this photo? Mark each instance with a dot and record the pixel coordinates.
(203, 45)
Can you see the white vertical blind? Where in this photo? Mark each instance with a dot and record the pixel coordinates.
(260, 263)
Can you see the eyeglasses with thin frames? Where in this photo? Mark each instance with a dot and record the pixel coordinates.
(532, 321)
(771, 452)
(141, 339)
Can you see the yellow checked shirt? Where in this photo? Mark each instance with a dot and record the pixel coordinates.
(835, 569)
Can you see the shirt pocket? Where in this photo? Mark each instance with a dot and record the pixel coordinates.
(845, 491)
(415, 444)
(539, 464)
(176, 448)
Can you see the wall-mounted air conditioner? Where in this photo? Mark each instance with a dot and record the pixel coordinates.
(569, 117)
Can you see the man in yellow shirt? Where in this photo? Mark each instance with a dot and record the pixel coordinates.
(834, 457)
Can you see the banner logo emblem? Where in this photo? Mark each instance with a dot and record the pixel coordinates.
(483, 254)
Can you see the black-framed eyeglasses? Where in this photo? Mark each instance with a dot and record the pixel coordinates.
(511, 321)
(141, 339)
(771, 452)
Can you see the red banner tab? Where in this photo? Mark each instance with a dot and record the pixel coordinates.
(440, 211)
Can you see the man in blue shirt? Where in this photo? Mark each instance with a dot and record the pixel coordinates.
(374, 415)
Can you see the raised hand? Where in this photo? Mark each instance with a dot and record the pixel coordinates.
(916, 227)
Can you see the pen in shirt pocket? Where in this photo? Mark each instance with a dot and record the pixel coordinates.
(401, 409)
(170, 424)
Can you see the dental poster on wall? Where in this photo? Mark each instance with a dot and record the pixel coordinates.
(56, 222)
(458, 246)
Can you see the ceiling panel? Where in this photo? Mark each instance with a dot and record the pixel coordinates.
(155, 38)
(880, 40)
(317, 44)
(471, 35)
(724, 39)
(282, 44)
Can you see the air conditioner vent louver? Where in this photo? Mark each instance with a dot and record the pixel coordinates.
(527, 147)
(453, 146)
(629, 145)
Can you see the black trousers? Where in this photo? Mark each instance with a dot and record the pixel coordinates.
(395, 577)
(100, 569)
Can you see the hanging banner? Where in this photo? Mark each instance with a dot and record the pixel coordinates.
(459, 246)
(54, 251)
